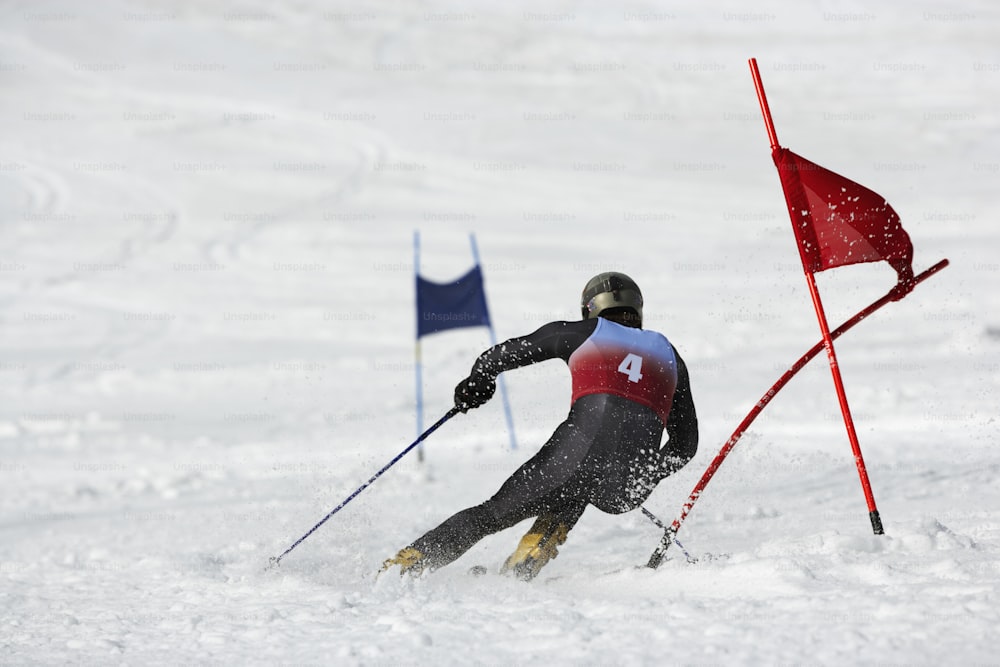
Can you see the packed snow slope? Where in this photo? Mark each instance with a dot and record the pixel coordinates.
(206, 279)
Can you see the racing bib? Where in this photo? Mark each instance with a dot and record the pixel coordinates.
(633, 363)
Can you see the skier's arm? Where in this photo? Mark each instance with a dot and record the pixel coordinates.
(682, 424)
(556, 339)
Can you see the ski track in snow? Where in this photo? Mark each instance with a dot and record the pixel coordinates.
(206, 218)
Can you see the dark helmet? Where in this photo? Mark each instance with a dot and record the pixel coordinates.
(610, 290)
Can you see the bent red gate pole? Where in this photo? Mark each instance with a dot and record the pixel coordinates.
(824, 326)
(671, 532)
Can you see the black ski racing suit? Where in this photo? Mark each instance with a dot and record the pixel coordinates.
(607, 451)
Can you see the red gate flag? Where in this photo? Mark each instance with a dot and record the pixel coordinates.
(839, 222)
(836, 222)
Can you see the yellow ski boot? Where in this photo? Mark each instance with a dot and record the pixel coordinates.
(537, 547)
(409, 560)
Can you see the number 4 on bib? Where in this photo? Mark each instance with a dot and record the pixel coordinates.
(631, 366)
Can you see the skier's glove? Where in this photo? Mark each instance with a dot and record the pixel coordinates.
(474, 391)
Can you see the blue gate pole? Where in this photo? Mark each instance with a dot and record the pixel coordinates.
(493, 341)
(417, 360)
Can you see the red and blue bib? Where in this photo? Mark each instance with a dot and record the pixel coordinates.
(633, 363)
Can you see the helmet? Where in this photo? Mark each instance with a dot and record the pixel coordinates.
(610, 290)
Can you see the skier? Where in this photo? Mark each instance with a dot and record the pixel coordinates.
(629, 385)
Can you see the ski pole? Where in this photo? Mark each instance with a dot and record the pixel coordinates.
(276, 560)
(659, 524)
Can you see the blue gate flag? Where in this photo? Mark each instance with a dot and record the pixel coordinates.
(443, 306)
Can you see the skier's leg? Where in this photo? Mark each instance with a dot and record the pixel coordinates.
(454, 537)
(525, 494)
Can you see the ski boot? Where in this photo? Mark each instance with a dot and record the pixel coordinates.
(537, 547)
(409, 560)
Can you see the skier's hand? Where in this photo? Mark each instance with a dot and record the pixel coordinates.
(474, 391)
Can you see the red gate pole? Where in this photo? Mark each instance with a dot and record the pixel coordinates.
(713, 467)
(824, 326)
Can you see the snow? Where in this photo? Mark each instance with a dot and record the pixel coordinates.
(206, 223)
